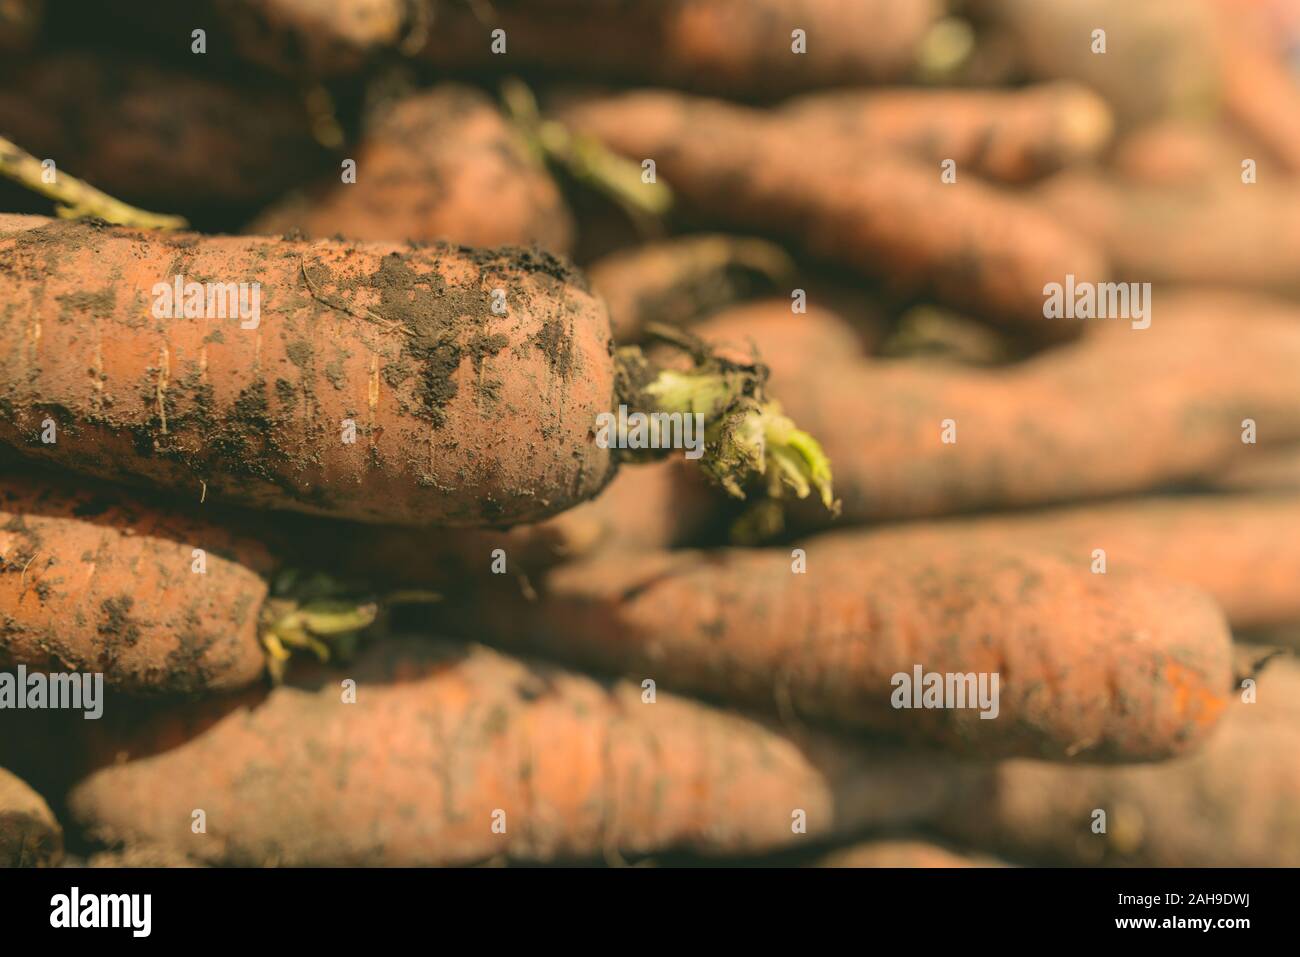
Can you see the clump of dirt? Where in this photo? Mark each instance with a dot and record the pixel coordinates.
(555, 341)
(437, 318)
(116, 625)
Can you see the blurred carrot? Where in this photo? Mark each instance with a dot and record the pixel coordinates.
(1122, 411)
(1244, 550)
(1277, 471)
(1236, 803)
(1134, 670)
(454, 756)
(1182, 153)
(1009, 135)
(739, 46)
(29, 834)
(1259, 92)
(1235, 235)
(965, 242)
(678, 280)
(158, 137)
(441, 164)
(900, 852)
(1155, 59)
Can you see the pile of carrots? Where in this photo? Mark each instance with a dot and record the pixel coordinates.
(312, 476)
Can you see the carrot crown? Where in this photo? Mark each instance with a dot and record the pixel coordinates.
(748, 440)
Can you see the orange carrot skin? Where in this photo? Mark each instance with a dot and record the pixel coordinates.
(657, 505)
(444, 741)
(161, 138)
(1218, 235)
(1207, 362)
(460, 414)
(442, 164)
(91, 581)
(902, 853)
(887, 216)
(1235, 803)
(1007, 135)
(1136, 669)
(741, 46)
(1243, 550)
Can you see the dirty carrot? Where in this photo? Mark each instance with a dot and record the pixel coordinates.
(432, 386)
(456, 755)
(155, 599)
(441, 164)
(1136, 669)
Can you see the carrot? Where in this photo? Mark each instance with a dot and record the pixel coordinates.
(1159, 57)
(439, 164)
(1260, 93)
(889, 217)
(1234, 236)
(901, 852)
(1008, 135)
(679, 280)
(1277, 471)
(661, 505)
(159, 137)
(1136, 670)
(154, 599)
(437, 385)
(455, 755)
(740, 46)
(1244, 551)
(1119, 412)
(1182, 153)
(1235, 803)
(29, 834)
(795, 347)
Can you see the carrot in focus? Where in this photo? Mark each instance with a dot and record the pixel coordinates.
(155, 599)
(438, 385)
